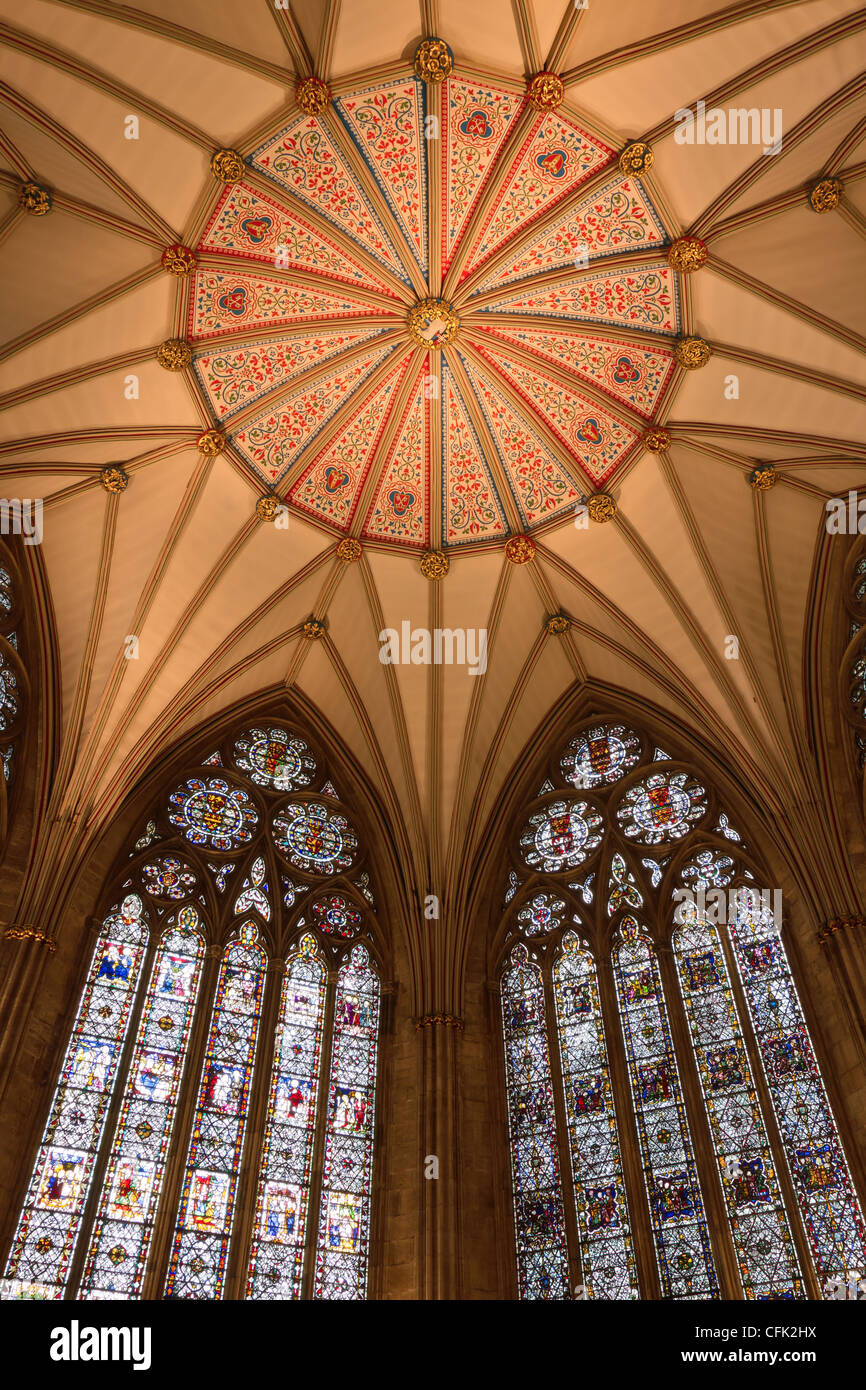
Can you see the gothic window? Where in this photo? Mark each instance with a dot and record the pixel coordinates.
(211, 1132)
(853, 673)
(662, 1089)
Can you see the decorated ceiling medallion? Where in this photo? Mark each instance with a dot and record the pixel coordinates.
(657, 440)
(211, 443)
(435, 564)
(688, 253)
(636, 158)
(557, 624)
(692, 353)
(601, 507)
(174, 354)
(178, 260)
(315, 839)
(227, 166)
(824, 195)
(432, 323)
(273, 758)
(560, 836)
(349, 550)
(763, 477)
(314, 629)
(267, 507)
(599, 756)
(433, 60)
(307, 328)
(114, 479)
(519, 550)
(663, 807)
(313, 96)
(545, 91)
(34, 198)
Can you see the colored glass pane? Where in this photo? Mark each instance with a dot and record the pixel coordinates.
(344, 1223)
(539, 1220)
(560, 836)
(213, 813)
(662, 807)
(253, 894)
(314, 838)
(607, 1256)
(543, 913)
(600, 756)
(336, 916)
(50, 1221)
(276, 759)
(759, 1225)
(204, 1223)
(682, 1242)
(622, 887)
(168, 878)
(122, 1231)
(277, 1254)
(816, 1160)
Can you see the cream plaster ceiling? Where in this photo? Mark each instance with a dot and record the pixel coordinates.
(218, 599)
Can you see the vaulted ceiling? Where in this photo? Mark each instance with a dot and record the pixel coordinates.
(552, 256)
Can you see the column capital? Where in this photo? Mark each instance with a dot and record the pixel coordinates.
(440, 1020)
(23, 931)
(850, 922)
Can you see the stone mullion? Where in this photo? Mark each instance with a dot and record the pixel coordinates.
(317, 1158)
(440, 1090)
(771, 1124)
(379, 1199)
(562, 1134)
(153, 1284)
(845, 950)
(640, 1217)
(706, 1163)
(257, 1115)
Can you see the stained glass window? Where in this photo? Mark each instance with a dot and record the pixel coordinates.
(168, 877)
(204, 1224)
(822, 1180)
(273, 758)
(600, 755)
(336, 916)
(277, 1257)
(253, 894)
(622, 887)
(542, 914)
(561, 835)
(759, 1225)
(539, 1220)
(663, 807)
(682, 1242)
(344, 1223)
(213, 813)
(120, 1242)
(315, 839)
(50, 1222)
(607, 1257)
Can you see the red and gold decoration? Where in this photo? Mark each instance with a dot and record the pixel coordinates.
(601, 507)
(227, 166)
(763, 477)
(313, 96)
(211, 443)
(435, 564)
(688, 253)
(519, 550)
(114, 479)
(824, 195)
(432, 323)
(34, 198)
(657, 440)
(545, 91)
(434, 60)
(174, 354)
(267, 507)
(178, 260)
(349, 550)
(636, 158)
(693, 353)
